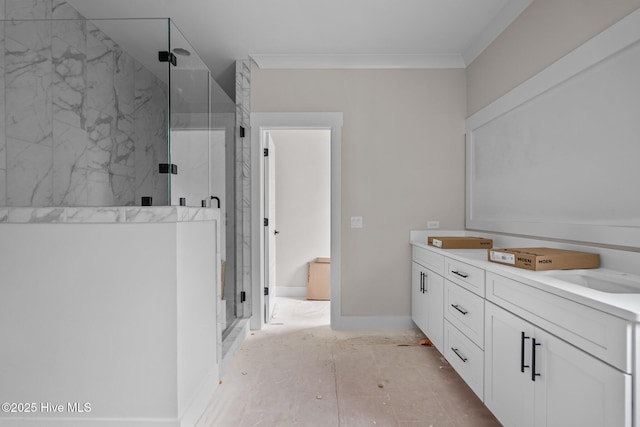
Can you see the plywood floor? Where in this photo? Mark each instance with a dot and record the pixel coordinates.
(298, 372)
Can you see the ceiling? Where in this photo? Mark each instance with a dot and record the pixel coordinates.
(324, 33)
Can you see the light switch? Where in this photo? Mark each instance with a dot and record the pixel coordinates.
(356, 222)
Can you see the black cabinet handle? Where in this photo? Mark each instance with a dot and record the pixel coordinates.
(421, 282)
(457, 307)
(522, 338)
(463, 275)
(455, 350)
(534, 344)
(424, 282)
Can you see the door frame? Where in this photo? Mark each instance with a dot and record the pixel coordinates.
(261, 122)
(269, 230)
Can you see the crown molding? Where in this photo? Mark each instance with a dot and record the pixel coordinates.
(346, 61)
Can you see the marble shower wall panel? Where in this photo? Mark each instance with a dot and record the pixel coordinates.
(27, 9)
(28, 112)
(69, 99)
(60, 9)
(243, 175)
(151, 146)
(122, 165)
(69, 52)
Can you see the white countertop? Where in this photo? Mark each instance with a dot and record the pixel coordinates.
(625, 306)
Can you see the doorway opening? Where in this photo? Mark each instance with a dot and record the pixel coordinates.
(263, 127)
(297, 191)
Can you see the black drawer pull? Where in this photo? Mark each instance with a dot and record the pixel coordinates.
(455, 350)
(534, 344)
(522, 338)
(463, 275)
(457, 307)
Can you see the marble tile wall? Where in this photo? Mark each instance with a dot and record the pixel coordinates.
(82, 123)
(243, 179)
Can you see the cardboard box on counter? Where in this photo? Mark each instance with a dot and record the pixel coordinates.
(319, 279)
(459, 242)
(544, 258)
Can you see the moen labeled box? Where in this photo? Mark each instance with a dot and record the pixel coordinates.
(544, 258)
(319, 279)
(460, 242)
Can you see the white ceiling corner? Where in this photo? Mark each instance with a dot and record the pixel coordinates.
(500, 22)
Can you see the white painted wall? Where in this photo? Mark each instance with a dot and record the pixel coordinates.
(197, 277)
(122, 316)
(303, 202)
(523, 50)
(402, 164)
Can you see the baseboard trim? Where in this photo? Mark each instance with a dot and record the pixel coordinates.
(201, 400)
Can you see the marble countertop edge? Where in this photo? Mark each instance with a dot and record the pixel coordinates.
(107, 214)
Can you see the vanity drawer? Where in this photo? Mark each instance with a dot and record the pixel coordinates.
(602, 335)
(466, 275)
(429, 259)
(465, 310)
(465, 357)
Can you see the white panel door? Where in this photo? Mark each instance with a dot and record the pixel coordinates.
(418, 297)
(434, 289)
(576, 389)
(508, 389)
(427, 299)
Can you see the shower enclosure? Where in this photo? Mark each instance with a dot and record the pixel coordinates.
(112, 112)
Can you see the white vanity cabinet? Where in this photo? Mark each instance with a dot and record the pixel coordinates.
(533, 378)
(427, 293)
(537, 356)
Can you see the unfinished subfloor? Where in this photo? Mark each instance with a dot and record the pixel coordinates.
(299, 372)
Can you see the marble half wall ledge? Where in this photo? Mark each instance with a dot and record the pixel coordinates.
(108, 214)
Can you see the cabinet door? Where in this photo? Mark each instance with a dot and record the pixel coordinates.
(418, 297)
(576, 389)
(427, 299)
(508, 389)
(434, 291)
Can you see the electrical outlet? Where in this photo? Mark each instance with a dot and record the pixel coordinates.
(433, 224)
(356, 222)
